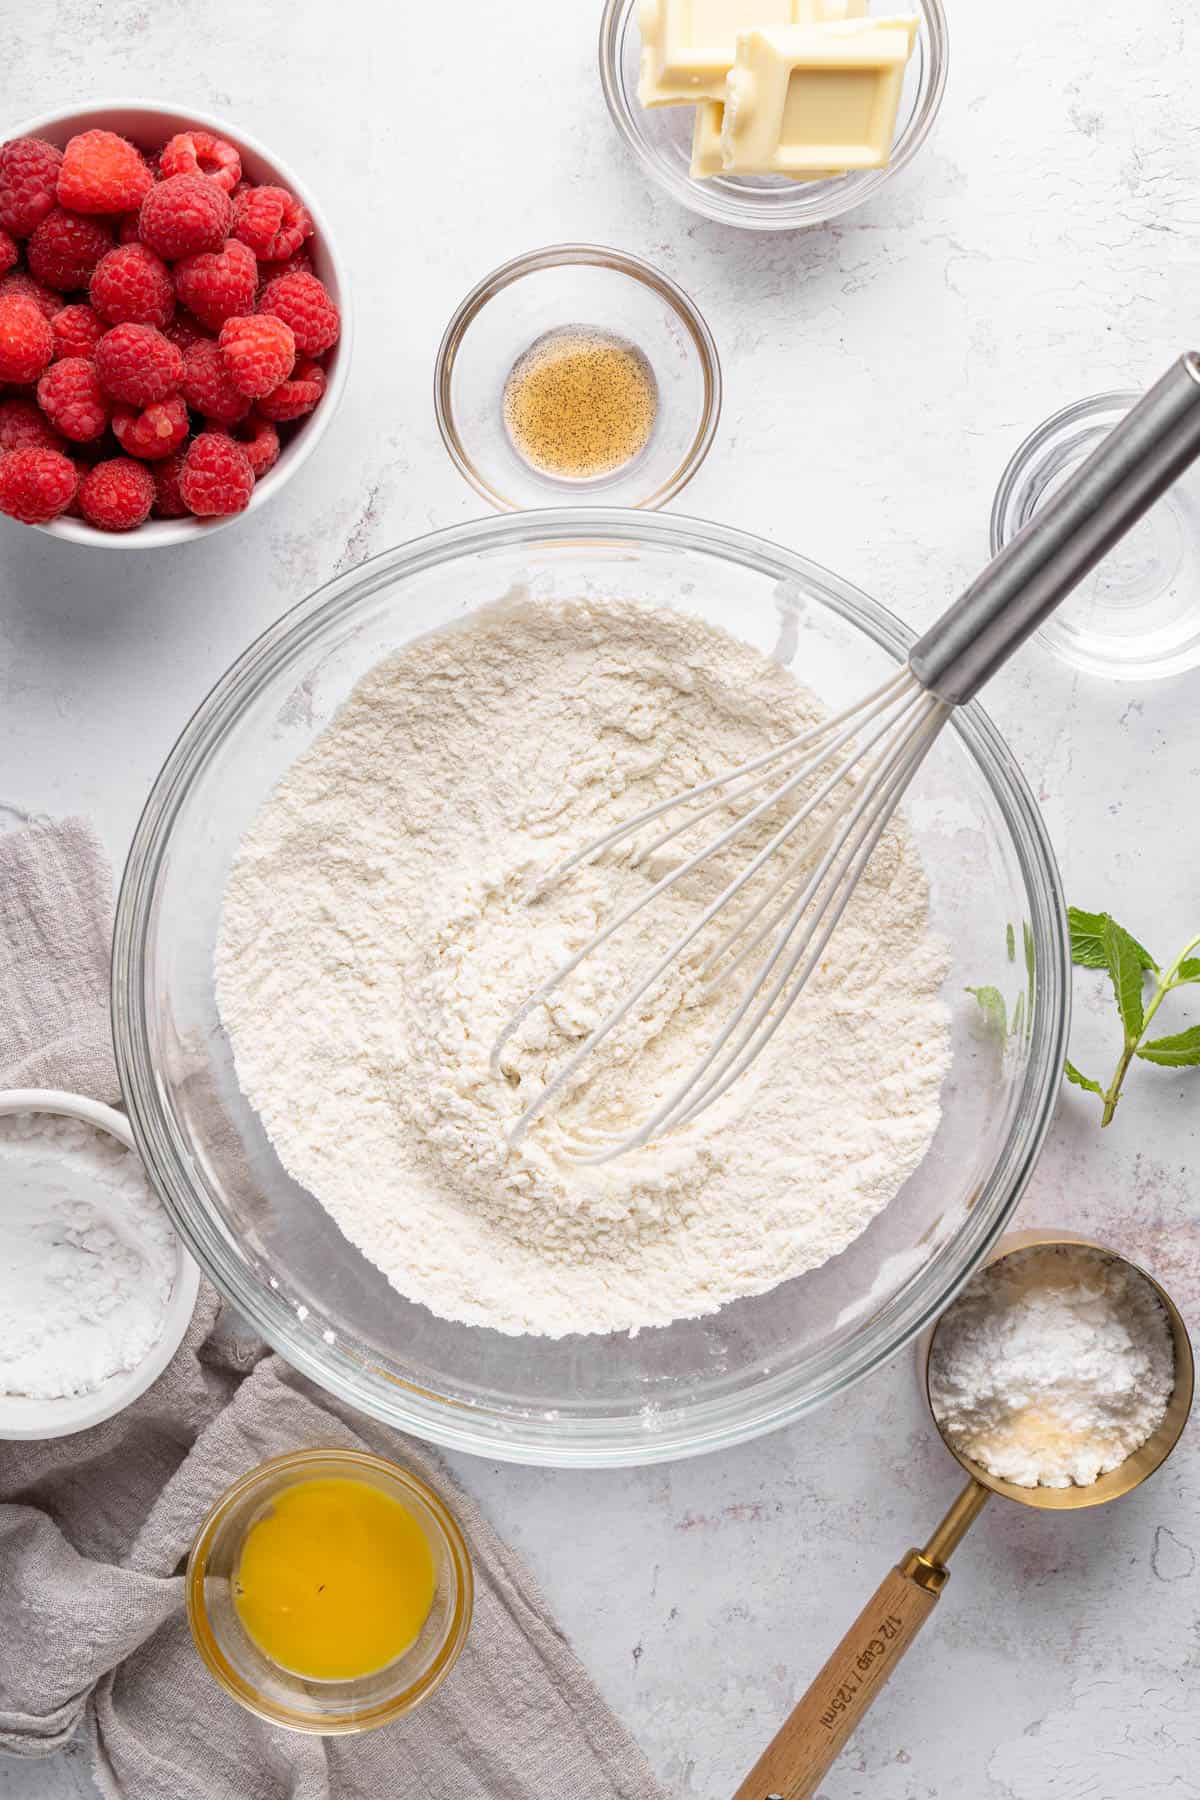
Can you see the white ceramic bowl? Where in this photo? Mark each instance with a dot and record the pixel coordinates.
(149, 123)
(25, 1418)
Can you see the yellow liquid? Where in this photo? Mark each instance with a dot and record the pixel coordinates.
(335, 1581)
(580, 403)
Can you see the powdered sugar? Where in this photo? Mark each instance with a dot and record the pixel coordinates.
(88, 1260)
(376, 933)
(1052, 1366)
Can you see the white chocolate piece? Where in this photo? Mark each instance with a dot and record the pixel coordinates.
(688, 46)
(706, 146)
(804, 99)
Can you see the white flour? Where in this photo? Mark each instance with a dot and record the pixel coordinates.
(1052, 1366)
(376, 935)
(87, 1261)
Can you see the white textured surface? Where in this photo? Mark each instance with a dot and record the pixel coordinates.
(1046, 244)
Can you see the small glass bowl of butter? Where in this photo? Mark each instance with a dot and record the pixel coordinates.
(329, 1591)
(577, 373)
(697, 48)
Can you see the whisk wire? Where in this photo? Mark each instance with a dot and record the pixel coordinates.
(889, 776)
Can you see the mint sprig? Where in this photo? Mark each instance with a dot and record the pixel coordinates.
(1098, 942)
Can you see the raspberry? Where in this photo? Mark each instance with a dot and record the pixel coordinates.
(206, 385)
(132, 284)
(157, 430)
(216, 478)
(28, 173)
(259, 352)
(71, 397)
(117, 495)
(200, 153)
(9, 251)
(128, 228)
(186, 331)
(260, 440)
(65, 249)
(23, 427)
(102, 173)
(300, 264)
(138, 364)
(302, 302)
(44, 298)
(168, 501)
(218, 284)
(77, 331)
(73, 509)
(295, 396)
(272, 221)
(26, 340)
(185, 215)
(36, 485)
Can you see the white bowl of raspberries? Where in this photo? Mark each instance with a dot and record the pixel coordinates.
(174, 334)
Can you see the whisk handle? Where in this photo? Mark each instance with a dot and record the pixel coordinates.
(1119, 481)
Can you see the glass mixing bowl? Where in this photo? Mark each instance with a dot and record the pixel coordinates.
(699, 1383)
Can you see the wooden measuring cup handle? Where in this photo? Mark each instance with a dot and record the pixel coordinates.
(814, 1734)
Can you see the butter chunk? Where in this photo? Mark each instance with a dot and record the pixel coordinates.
(688, 46)
(801, 100)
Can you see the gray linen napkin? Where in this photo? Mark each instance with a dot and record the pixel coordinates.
(93, 1527)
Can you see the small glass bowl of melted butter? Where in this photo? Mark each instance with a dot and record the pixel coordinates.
(329, 1591)
(577, 372)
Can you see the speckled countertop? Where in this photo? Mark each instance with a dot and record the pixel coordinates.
(1045, 244)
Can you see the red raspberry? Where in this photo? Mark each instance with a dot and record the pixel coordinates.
(218, 284)
(157, 430)
(102, 173)
(9, 251)
(186, 331)
(185, 215)
(295, 396)
(23, 427)
(206, 385)
(36, 485)
(28, 173)
(259, 352)
(200, 153)
(272, 221)
(65, 249)
(71, 397)
(127, 228)
(168, 501)
(302, 302)
(77, 331)
(300, 264)
(26, 340)
(117, 495)
(132, 284)
(44, 298)
(260, 440)
(73, 509)
(217, 478)
(138, 364)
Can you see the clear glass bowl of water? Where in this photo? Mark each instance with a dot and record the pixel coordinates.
(1136, 617)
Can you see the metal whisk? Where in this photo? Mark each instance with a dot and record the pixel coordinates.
(857, 765)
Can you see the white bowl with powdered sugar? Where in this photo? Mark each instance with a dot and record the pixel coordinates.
(321, 923)
(96, 1290)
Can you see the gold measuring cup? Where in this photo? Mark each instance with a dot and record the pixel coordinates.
(816, 1731)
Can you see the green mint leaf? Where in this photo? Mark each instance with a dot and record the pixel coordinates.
(1182, 1051)
(1010, 939)
(1087, 940)
(1030, 954)
(1017, 1027)
(1189, 970)
(991, 1005)
(1124, 957)
(1083, 1081)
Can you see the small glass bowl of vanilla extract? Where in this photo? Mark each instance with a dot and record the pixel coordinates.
(577, 372)
(329, 1591)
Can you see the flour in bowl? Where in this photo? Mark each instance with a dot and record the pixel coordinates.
(376, 934)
